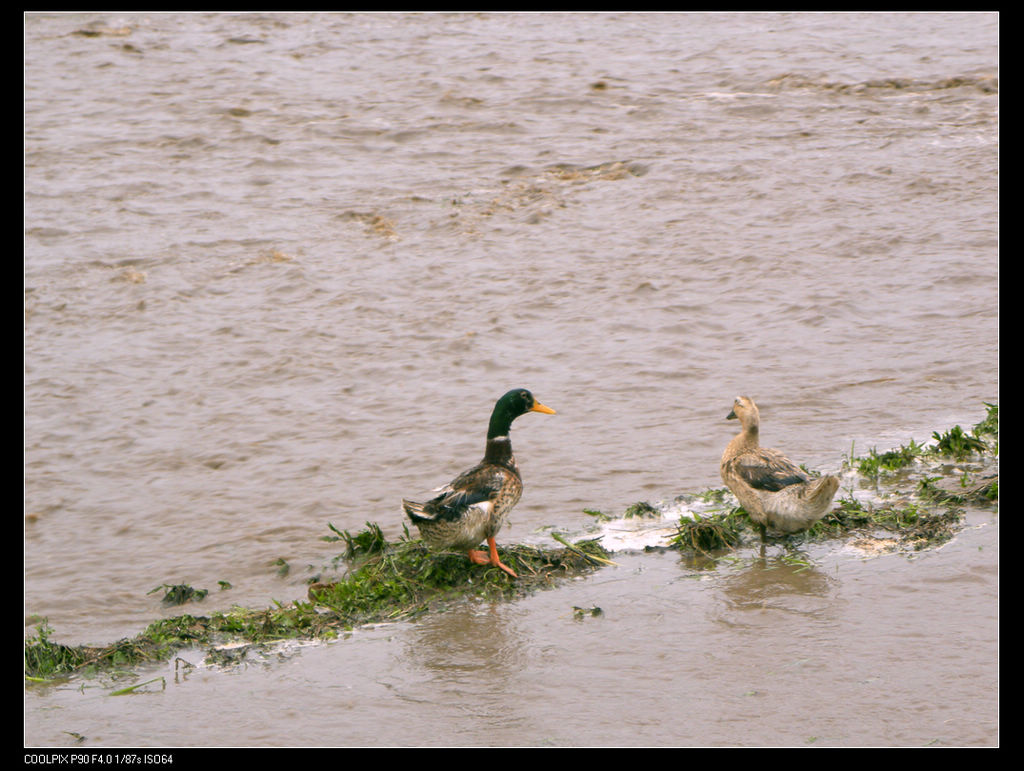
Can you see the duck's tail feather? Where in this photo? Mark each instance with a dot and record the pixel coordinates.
(821, 491)
(416, 512)
(798, 507)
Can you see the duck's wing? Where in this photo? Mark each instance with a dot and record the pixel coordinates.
(768, 470)
(476, 487)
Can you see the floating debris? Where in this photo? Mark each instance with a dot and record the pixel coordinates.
(178, 594)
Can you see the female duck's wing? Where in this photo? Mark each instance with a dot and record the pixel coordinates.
(768, 470)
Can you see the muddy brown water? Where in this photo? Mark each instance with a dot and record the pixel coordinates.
(278, 267)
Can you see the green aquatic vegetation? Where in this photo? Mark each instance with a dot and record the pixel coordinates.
(45, 658)
(368, 541)
(928, 490)
(990, 425)
(875, 463)
(939, 489)
(641, 509)
(588, 550)
(137, 686)
(291, 621)
(405, 579)
(914, 525)
(717, 495)
(957, 444)
(796, 560)
(851, 514)
(579, 613)
(711, 533)
(954, 443)
(983, 438)
(178, 594)
(391, 581)
(399, 580)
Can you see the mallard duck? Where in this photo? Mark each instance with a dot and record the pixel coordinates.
(770, 487)
(472, 507)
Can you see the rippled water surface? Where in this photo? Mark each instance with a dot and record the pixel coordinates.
(278, 267)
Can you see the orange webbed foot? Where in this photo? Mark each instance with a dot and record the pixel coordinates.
(490, 557)
(497, 562)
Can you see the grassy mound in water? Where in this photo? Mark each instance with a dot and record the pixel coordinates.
(386, 582)
(953, 472)
(955, 445)
(905, 523)
(404, 579)
(401, 580)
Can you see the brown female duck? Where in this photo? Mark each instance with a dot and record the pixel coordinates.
(772, 489)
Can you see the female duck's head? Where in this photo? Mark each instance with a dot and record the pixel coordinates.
(746, 411)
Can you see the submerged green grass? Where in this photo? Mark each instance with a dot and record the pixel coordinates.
(909, 524)
(387, 581)
(956, 444)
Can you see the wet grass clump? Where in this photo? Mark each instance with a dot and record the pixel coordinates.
(404, 579)
(387, 581)
(711, 533)
(45, 658)
(179, 594)
(365, 542)
(641, 509)
(963, 491)
(875, 463)
(955, 443)
(907, 524)
(989, 427)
